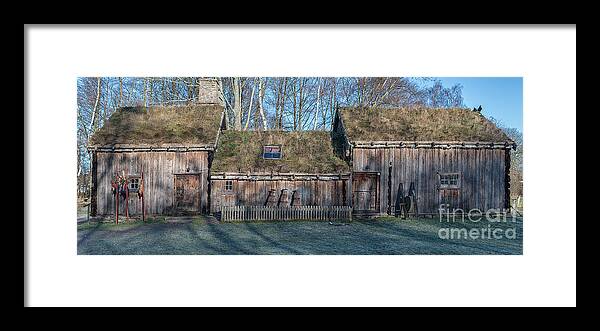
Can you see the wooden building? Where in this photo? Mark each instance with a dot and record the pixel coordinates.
(276, 168)
(378, 161)
(170, 146)
(450, 159)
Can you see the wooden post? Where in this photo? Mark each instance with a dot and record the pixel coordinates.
(94, 185)
(143, 194)
(389, 189)
(117, 201)
(126, 198)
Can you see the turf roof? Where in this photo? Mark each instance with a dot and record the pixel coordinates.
(308, 152)
(161, 125)
(418, 124)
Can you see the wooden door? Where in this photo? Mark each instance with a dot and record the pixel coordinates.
(449, 199)
(187, 193)
(365, 192)
(449, 191)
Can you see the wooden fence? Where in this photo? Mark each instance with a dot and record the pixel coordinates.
(265, 213)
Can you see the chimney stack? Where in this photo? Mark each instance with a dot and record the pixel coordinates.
(209, 91)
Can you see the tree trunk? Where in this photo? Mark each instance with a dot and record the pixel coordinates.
(384, 93)
(78, 160)
(283, 98)
(94, 122)
(250, 105)
(300, 104)
(131, 94)
(324, 110)
(145, 92)
(294, 92)
(174, 91)
(261, 96)
(278, 102)
(151, 83)
(237, 102)
(190, 89)
(120, 92)
(318, 104)
(105, 104)
(164, 95)
(225, 108)
(333, 101)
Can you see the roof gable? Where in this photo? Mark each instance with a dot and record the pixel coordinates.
(308, 152)
(418, 124)
(161, 126)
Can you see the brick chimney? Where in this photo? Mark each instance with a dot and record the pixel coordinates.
(209, 91)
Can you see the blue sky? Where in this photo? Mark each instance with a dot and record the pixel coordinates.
(500, 97)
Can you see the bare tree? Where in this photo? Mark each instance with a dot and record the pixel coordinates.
(261, 96)
(120, 91)
(318, 104)
(250, 105)
(283, 95)
(94, 122)
(332, 99)
(146, 92)
(237, 102)
(227, 107)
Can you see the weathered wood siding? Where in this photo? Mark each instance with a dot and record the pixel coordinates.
(255, 192)
(482, 174)
(159, 170)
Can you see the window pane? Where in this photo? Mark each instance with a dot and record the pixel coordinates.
(134, 184)
(449, 180)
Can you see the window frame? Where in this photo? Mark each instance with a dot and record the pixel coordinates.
(228, 185)
(272, 158)
(130, 179)
(445, 180)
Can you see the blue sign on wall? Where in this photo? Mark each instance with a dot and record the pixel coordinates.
(272, 152)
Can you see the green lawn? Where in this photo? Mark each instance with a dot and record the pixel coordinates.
(378, 236)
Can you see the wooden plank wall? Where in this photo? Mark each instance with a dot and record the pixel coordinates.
(255, 192)
(482, 174)
(159, 169)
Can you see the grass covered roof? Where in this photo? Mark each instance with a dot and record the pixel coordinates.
(160, 125)
(419, 124)
(307, 152)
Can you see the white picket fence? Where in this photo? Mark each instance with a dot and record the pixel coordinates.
(265, 213)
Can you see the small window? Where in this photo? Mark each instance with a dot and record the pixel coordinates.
(272, 152)
(228, 185)
(449, 180)
(134, 184)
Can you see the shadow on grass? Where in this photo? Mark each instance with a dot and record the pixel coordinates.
(201, 244)
(360, 237)
(226, 239)
(253, 229)
(88, 235)
(458, 246)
